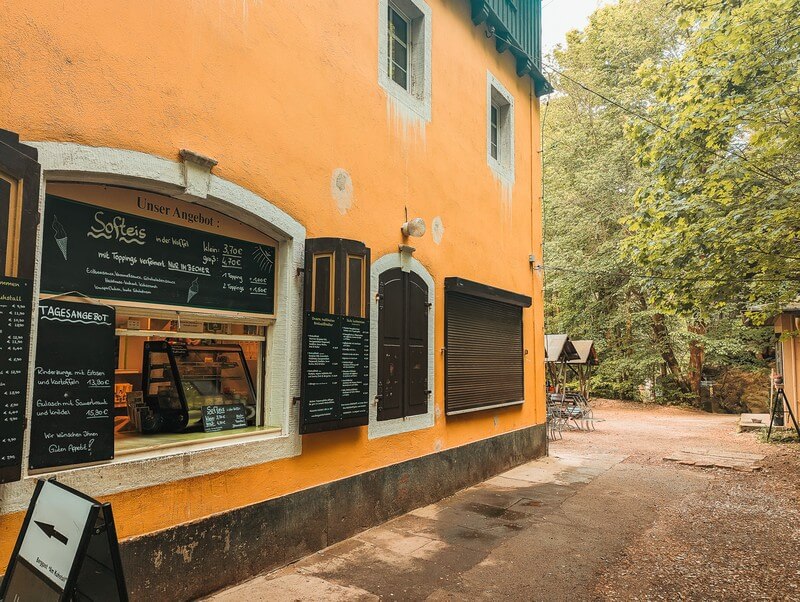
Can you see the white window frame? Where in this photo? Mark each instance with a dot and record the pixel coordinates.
(85, 164)
(497, 95)
(396, 426)
(417, 95)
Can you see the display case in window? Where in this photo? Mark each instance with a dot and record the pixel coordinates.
(179, 379)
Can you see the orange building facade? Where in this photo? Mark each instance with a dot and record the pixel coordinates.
(248, 189)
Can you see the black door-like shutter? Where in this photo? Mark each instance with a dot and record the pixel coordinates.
(402, 345)
(391, 345)
(484, 349)
(417, 345)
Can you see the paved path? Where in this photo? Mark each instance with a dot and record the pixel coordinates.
(604, 517)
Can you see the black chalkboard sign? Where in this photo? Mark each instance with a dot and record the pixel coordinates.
(15, 327)
(224, 417)
(108, 254)
(335, 372)
(73, 385)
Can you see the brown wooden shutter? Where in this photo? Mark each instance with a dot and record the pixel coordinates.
(337, 277)
(484, 346)
(416, 318)
(19, 206)
(391, 344)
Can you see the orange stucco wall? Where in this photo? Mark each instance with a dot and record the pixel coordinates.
(281, 93)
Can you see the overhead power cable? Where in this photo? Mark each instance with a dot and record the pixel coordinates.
(689, 279)
(749, 164)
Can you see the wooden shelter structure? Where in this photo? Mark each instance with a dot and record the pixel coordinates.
(559, 351)
(582, 367)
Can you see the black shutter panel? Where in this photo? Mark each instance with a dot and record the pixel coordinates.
(20, 173)
(390, 345)
(484, 357)
(417, 345)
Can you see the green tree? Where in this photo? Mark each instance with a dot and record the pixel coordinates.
(590, 182)
(717, 215)
(625, 257)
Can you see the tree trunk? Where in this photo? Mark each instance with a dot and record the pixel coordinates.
(664, 345)
(661, 337)
(697, 355)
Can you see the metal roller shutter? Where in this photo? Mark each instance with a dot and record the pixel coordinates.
(484, 353)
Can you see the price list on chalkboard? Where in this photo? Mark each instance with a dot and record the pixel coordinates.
(15, 326)
(113, 255)
(224, 417)
(73, 385)
(335, 372)
(354, 384)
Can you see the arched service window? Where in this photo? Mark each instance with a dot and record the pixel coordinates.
(402, 345)
(156, 310)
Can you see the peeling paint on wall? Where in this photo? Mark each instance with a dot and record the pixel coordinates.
(437, 229)
(342, 190)
(405, 122)
(506, 197)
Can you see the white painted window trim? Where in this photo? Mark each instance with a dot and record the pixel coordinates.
(384, 428)
(498, 94)
(418, 98)
(84, 164)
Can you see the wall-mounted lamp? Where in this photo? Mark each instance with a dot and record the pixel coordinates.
(414, 227)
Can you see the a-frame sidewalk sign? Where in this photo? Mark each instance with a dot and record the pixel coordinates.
(67, 550)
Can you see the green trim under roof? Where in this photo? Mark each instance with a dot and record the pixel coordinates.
(517, 26)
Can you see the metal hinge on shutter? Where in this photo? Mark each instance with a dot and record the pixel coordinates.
(379, 296)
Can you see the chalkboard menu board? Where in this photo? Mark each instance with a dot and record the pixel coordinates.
(113, 255)
(73, 385)
(15, 326)
(224, 417)
(335, 372)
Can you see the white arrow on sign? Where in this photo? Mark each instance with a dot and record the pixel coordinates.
(51, 540)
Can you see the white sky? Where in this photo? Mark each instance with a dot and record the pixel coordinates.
(560, 16)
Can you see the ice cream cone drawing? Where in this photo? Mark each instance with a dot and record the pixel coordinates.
(263, 259)
(60, 236)
(193, 290)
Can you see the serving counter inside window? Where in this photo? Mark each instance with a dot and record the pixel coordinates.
(172, 372)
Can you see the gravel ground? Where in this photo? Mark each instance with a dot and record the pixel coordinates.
(737, 539)
(605, 517)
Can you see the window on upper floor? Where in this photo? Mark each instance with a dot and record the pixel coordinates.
(404, 66)
(500, 129)
(398, 47)
(493, 131)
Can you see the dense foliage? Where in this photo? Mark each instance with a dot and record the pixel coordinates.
(617, 269)
(720, 205)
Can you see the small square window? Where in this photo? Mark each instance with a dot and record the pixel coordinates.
(500, 129)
